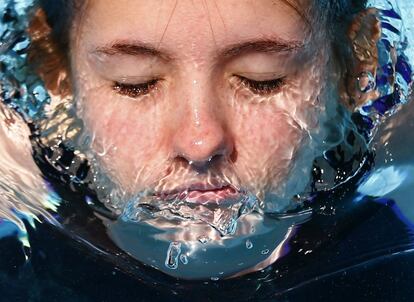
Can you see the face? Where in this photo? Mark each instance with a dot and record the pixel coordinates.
(202, 97)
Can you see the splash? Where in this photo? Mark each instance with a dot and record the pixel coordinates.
(221, 216)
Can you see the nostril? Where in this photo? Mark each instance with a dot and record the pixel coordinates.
(233, 156)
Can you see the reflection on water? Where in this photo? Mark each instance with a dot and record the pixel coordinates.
(354, 211)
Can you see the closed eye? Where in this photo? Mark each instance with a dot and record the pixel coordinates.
(262, 87)
(135, 90)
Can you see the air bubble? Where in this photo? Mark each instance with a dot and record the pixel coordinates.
(174, 251)
(184, 259)
(265, 252)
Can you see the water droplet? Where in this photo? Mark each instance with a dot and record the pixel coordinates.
(214, 278)
(183, 259)
(88, 200)
(265, 252)
(249, 244)
(173, 252)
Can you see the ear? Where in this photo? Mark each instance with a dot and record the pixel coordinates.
(363, 33)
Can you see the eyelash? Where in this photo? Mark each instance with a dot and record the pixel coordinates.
(262, 87)
(257, 87)
(135, 90)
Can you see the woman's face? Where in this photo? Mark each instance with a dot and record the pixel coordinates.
(197, 95)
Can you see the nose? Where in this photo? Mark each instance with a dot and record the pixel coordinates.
(202, 137)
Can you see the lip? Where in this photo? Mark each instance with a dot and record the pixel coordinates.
(201, 193)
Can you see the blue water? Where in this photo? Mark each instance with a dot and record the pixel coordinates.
(357, 244)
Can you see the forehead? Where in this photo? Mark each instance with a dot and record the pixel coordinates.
(180, 22)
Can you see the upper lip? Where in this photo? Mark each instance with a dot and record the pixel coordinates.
(200, 186)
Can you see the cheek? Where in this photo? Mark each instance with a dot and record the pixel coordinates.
(279, 121)
(125, 133)
(265, 134)
(270, 134)
(267, 149)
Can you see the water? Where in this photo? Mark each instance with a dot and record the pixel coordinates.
(350, 238)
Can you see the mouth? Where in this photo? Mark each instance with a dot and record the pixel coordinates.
(202, 194)
(218, 205)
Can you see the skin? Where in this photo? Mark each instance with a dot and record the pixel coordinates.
(200, 122)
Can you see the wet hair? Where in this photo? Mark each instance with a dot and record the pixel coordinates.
(59, 15)
(49, 33)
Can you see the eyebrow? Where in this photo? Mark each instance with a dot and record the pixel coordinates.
(132, 48)
(261, 45)
(136, 48)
